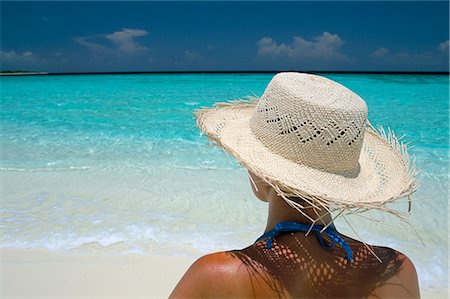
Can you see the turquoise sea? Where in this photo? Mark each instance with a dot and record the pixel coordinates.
(115, 164)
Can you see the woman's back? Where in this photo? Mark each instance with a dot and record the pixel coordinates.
(297, 266)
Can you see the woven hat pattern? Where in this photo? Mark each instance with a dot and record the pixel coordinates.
(326, 133)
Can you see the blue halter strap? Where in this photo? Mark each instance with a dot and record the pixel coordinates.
(291, 226)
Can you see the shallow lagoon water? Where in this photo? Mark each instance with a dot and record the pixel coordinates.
(114, 163)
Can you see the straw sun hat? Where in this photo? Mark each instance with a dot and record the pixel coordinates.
(308, 136)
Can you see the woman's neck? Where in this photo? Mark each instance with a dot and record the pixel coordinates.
(281, 211)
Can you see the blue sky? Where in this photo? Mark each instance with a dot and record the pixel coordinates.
(192, 36)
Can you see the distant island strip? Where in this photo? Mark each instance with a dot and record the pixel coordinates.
(22, 73)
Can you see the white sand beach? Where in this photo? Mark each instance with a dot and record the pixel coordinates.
(33, 273)
(41, 273)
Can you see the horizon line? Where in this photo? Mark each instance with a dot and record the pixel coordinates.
(37, 73)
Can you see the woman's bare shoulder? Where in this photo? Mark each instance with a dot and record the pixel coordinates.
(404, 284)
(214, 275)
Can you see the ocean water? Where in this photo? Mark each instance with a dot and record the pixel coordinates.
(115, 164)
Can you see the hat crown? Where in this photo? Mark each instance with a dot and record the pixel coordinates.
(311, 120)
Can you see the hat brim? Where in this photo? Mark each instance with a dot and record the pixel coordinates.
(385, 171)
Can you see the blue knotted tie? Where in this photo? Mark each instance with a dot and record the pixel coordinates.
(291, 226)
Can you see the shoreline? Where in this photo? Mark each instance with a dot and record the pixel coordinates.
(30, 273)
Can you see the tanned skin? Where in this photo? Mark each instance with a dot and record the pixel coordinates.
(297, 266)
